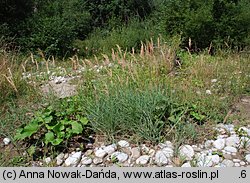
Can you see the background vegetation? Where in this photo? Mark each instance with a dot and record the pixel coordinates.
(129, 83)
(61, 27)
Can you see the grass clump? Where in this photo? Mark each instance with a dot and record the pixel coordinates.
(127, 111)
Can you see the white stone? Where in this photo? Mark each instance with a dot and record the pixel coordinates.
(247, 157)
(110, 149)
(215, 159)
(230, 149)
(6, 141)
(214, 80)
(187, 152)
(123, 143)
(48, 160)
(236, 164)
(135, 152)
(121, 157)
(161, 158)
(86, 161)
(143, 160)
(208, 92)
(166, 144)
(186, 165)
(74, 159)
(219, 144)
(145, 149)
(169, 152)
(236, 160)
(59, 159)
(169, 166)
(97, 161)
(242, 163)
(100, 153)
(208, 144)
(151, 152)
(232, 141)
(228, 163)
(204, 161)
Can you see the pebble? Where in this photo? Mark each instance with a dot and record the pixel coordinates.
(110, 149)
(168, 152)
(121, 157)
(151, 152)
(100, 153)
(236, 164)
(123, 143)
(187, 152)
(86, 161)
(97, 161)
(219, 144)
(232, 141)
(161, 158)
(228, 163)
(209, 144)
(247, 157)
(236, 160)
(204, 161)
(166, 144)
(73, 160)
(143, 160)
(135, 152)
(230, 149)
(6, 141)
(60, 159)
(48, 160)
(208, 92)
(242, 163)
(186, 165)
(88, 152)
(144, 149)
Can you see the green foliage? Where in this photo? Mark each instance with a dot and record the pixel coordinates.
(127, 37)
(55, 25)
(126, 111)
(123, 10)
(216, 21)
(55, 125)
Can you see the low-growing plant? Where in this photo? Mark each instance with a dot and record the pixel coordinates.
(55, 125)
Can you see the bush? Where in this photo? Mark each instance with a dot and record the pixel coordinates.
(127, 37)
(216, 21)
(54, 27)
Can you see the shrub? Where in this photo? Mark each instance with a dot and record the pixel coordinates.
(127, 37)
(54, 27)
(217, 21)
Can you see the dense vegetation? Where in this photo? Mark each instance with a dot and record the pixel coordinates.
(61, 27)
(144, 70)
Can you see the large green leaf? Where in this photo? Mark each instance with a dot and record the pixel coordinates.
(27, 131)
(48, 119)
(56, 142)
(49, 137)
(83, 120)
(58, 127)
(76, 127)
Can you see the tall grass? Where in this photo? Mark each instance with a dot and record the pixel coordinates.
(124, 98)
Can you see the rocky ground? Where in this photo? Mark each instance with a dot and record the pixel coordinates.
(231, 147)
